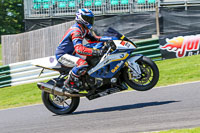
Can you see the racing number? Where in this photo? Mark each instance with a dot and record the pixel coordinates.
(125, 44)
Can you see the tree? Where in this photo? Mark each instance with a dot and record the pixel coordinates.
(11, 17)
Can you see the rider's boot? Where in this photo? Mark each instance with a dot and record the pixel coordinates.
(72, 83)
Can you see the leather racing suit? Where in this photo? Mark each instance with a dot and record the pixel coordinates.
(72, 53)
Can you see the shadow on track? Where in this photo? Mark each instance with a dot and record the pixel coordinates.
(126, 107)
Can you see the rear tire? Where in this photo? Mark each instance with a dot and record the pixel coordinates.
(150, 75)
(61, 107)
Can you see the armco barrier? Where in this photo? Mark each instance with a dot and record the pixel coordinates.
(149, 48)
(25, 72)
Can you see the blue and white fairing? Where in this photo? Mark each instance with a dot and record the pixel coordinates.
(110, 64)
(124, 45)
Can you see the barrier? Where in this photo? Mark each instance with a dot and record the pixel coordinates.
(24, 72)
(34, 44)
(149, 48)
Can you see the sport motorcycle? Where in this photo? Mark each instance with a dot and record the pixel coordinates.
(117, 70)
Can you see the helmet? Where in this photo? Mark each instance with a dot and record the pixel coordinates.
(85, 17)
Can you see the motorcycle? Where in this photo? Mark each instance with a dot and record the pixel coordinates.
(117, 70)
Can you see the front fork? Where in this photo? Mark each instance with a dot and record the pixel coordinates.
(135, 71)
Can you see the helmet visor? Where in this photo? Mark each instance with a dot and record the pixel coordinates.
(88, 19)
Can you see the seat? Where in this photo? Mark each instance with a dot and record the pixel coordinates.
(62, 5)
(46, 1)
(151, 1)
(141, 1)
(36, 6)
(72, 4)
(54, 2)
(114, 2)
(37, 1)
(98, 3)
(88, 3)
(124, 2)
(62, 69)
(46, 5)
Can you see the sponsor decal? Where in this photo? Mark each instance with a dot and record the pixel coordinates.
(122, 37)
(106, 38)
(123, 43)
(182, 45)
(127, 45)
(51, 59)
(64, 60)
(117, 66)
(108, 60)
(121, 56)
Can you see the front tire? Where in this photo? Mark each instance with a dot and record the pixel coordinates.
(149, 76)
(60, 105)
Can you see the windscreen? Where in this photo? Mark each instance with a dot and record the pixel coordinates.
(113, 32)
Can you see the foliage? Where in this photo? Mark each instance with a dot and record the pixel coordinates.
(11, 17)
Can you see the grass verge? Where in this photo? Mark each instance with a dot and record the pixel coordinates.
(0, 55)
(21, 95)
(193, 130)
(179, 70)
(171, 72)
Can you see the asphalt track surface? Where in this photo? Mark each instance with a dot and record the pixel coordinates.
(171, 107)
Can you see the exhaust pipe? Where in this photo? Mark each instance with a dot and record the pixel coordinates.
(56, 90)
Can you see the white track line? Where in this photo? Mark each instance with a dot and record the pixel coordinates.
(121, 92)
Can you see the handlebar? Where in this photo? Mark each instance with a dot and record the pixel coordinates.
(109, 44)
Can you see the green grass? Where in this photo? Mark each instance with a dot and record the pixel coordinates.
(172, 71)
(179, 70)
(0, 55)
(21, 95)
(193, 130)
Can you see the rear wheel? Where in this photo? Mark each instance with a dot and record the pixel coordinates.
(60, 104)
(147, 80)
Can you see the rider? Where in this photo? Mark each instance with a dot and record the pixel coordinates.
(72, 53)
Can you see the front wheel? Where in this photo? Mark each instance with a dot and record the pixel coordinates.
(60, 105)
(148, 78)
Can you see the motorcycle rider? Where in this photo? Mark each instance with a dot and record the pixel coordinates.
(72, 53)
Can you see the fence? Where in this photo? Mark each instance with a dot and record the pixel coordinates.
(43, 42)
(25, 72)
(179, 3)
(32, 45)
(55, 8)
